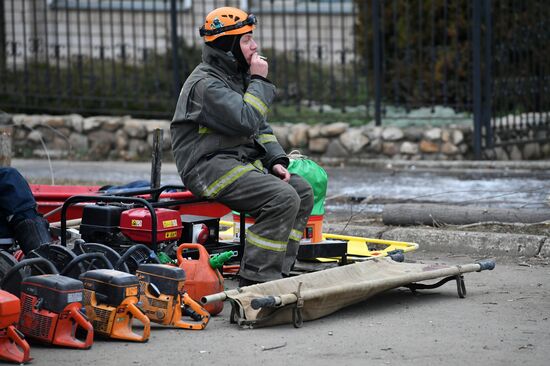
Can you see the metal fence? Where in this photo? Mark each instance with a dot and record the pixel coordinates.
(398, 61)
(514, 101)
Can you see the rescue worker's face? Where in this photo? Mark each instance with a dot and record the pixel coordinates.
(248, 46)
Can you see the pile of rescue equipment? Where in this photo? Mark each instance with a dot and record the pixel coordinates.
(121, 259)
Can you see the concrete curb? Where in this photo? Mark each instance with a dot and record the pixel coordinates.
(456, 242)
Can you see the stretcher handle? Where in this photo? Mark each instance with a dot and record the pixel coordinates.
(486, 264)
(22, 346)
(82, 257)
(265, 302)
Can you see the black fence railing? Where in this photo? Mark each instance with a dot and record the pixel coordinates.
(518, 90)
(385, 61)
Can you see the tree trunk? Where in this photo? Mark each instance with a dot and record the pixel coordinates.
(5, 138)
(2, 40)
(5, 145)
(432, 214)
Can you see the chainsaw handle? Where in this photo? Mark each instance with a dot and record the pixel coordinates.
(123, 258)
(195, 306)
(83, 322)
(25, 263)
(200, 248)
(198, 324)
(82, 257)
(19, 339)
(67, 327)
(141, 317)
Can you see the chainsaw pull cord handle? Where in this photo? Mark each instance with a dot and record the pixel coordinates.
(123, 258)
(69, 324)
(22, 346)
(197, 308)
(82, 257)
(26, 263)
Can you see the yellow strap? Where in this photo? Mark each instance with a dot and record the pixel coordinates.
(295, 235)
(204, 130)
(226, 179)
(256, 102)
(265, 138)
(258, 164)
(264, 243)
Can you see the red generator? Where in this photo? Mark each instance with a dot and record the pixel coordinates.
(50, 311)
(13, 346)
(137, 225)
(121, 226)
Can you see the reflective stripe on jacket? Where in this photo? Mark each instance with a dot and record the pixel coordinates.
(220, 118)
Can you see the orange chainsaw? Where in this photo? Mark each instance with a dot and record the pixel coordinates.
(110, 299)
(50, 312)
(164, 300)
(13, 346)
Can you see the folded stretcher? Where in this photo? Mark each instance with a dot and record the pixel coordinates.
(314, 295)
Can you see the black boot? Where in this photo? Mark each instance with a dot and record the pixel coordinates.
(32, 233)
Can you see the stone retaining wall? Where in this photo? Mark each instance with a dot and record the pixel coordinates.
(126, 138)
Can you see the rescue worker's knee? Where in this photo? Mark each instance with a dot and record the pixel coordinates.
(288, 199)
(307, 199)
(305, 192)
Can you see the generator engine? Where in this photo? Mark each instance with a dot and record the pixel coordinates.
(120, 226)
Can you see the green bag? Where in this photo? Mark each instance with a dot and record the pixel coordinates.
(316, 176)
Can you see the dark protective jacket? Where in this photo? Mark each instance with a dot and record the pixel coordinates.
(219, 130)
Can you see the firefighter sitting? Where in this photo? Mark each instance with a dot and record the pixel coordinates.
(226, 151)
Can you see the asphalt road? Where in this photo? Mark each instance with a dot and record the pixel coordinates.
(504, 320)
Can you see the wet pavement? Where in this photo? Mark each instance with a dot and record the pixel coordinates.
(367, 188)
(370, 189)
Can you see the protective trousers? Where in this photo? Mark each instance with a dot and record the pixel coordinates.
(18, 216)
(280, 210)
(16, 199)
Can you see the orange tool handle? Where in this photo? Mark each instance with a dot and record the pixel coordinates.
(187, 300)
(202, 251)
(81, 321)
(22, 345)
(138, 314)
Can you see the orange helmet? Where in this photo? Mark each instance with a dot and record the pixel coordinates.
(226, 21)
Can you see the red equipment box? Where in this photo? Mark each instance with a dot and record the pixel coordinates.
(136, 224)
